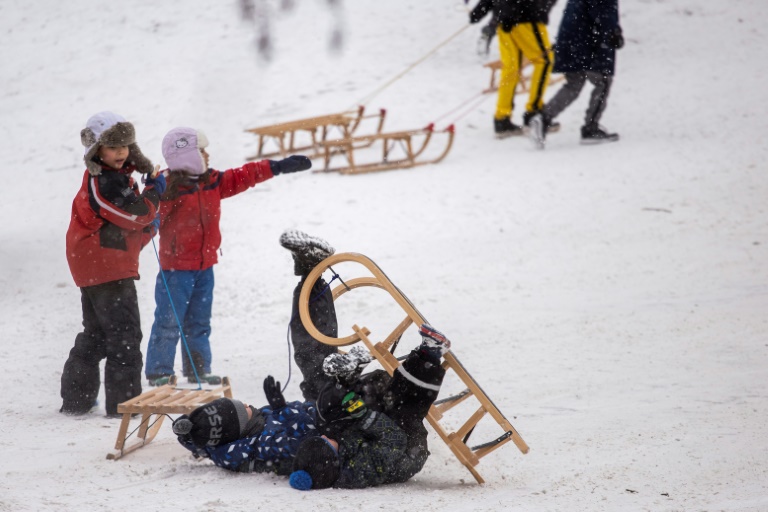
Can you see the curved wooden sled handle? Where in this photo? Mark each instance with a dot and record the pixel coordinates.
(379, 280)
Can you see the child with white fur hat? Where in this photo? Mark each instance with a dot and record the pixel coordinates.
(111, 222)
(190, 238)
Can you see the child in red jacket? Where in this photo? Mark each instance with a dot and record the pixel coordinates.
(190, 212)
(110, 224)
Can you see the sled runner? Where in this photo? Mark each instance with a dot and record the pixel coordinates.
(398, 150)
(159, 401)
(457, 440)
(524, 81)
(305, 135)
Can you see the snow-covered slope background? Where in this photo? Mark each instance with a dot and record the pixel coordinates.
(612, 300)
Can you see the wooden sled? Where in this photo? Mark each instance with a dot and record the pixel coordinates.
(524, 80)
(383, 351)
(410, 146)
(159, 401)
(305, 135)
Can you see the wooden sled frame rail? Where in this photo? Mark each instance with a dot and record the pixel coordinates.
(318, 128)
(408, 141)
(456, 440)
(524, 80)
(159, 401)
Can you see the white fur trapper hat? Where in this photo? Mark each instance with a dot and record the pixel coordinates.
(111, 130)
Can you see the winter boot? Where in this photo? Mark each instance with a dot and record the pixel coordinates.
(538, 130)
(552, 125)
(307, 251)
(505, 128)
(347, 367)
(205, 378)
(159, 380)
(594, 134)
(71, 409)
(434, 344)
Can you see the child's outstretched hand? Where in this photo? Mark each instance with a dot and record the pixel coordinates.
(293, 163)
(156, 180)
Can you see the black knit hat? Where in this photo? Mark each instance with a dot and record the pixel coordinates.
(316, 465)
(219, 422)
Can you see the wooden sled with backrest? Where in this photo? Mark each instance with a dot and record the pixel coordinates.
(306, 135)
(397, 150)
(471, 399)
(167, 399)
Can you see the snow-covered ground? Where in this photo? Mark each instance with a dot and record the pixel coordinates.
(612, 300)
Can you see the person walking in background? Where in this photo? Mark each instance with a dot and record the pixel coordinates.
(111, 222)
(585, 49)
(522, 32)
(190, 238)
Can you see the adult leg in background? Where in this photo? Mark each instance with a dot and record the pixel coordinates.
(533, 41)
(509, 74)
(599, 97)
(567, 94)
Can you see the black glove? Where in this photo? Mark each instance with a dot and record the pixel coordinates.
(616, 39)
(274, 395)
(293, 163)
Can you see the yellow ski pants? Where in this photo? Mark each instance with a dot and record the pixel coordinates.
(529, 40)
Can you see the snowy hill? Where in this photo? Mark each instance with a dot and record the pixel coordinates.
(611, 300)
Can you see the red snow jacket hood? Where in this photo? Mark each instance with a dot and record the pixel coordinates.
(189, 224)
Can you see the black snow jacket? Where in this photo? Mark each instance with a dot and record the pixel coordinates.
(588, 37)
(513, 12)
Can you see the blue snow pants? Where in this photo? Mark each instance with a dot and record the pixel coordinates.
(192, 292)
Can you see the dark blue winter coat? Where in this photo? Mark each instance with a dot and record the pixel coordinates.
(270, 451)
(585, 41)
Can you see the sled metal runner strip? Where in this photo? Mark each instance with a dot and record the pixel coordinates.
(452, 398)
(495, 442)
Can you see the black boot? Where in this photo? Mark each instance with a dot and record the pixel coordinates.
(594, 134)
(307, 251)
(504, 128)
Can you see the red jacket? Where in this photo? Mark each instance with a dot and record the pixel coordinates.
(110, 224)
(189, 224)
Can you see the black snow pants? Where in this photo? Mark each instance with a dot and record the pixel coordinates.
(111, 330)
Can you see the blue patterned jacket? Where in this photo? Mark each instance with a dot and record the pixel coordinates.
(270, 451)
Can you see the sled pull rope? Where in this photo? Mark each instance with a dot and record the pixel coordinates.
(474, 102)
(397, 77)
(176, 315)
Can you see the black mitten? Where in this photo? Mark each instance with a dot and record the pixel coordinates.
(293, 163)
(616, 39)
(274, 394)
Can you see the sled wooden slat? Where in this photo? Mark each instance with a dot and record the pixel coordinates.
(283, 136)
(411, 143)
(159, 401)
(524, 80)
(455, 439)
